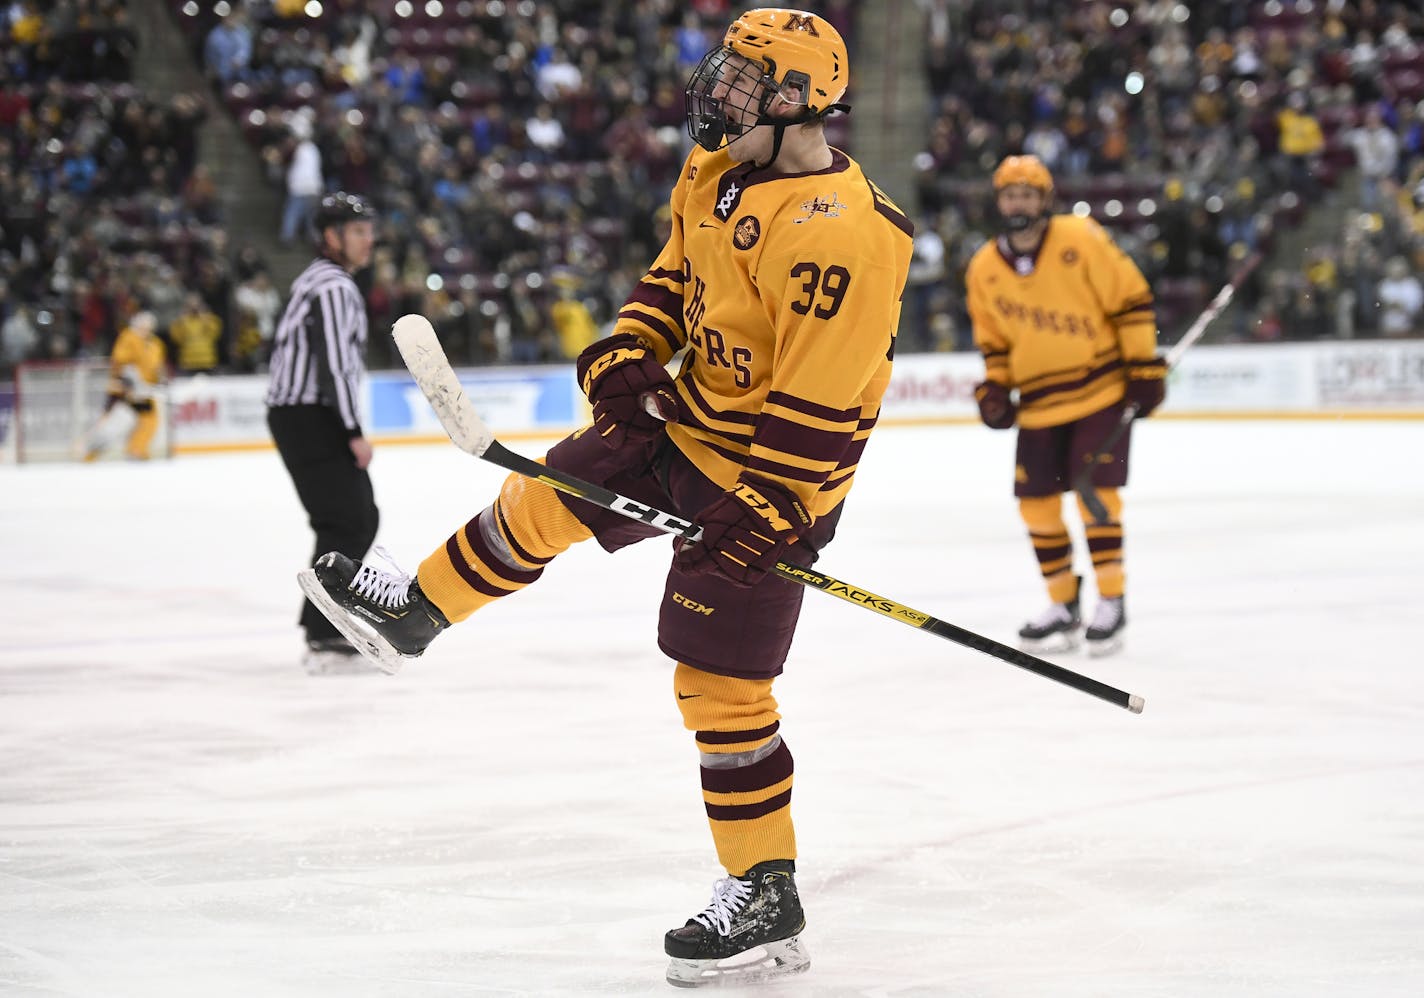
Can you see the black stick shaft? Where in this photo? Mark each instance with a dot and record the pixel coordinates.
(1083, 481)
(497, 453)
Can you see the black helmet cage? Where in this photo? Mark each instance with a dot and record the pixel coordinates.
(747, 91)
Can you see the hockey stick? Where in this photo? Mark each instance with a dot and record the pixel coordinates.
(1083, 482)
(423, 355)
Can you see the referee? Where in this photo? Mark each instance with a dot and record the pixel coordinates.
(316, 370)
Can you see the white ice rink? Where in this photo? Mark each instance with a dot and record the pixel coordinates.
(183, 812)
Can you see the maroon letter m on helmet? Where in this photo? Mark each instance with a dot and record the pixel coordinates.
(801, 22)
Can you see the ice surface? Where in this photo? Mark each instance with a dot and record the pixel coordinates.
(184, 812)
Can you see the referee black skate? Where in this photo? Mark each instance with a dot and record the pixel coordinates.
(316, 370)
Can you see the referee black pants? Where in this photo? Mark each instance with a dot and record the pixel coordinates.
(337, 495)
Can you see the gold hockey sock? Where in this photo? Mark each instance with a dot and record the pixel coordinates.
(746, 767)
(1105, 543)
(502, 550)
(141, 439)
(1043, 515)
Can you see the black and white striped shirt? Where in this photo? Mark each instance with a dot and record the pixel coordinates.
(319, 343)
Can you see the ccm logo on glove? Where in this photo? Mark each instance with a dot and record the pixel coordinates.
(631, 393)
(745, 532)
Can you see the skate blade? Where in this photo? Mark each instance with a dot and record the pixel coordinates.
(1054, 644)
(757, 965)
(331, 663)
(1106, 647)
(368, 643)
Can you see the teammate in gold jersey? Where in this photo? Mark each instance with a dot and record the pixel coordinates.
(1061, 314)
(780, 286)
(137, 367)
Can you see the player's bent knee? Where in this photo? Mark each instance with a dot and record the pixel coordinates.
(1042, 514)
(720, 707)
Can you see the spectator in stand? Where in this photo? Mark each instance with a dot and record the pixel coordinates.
(923, 284)
(557, 78)
(19, 339)
(545, 132)
(1300, 141)
(1376, 156)
(228, 49)
(256, 304)
(1401, 299)
(197, 337)
(304, 181)
(573, 322)
(200, 196)
(406, 79)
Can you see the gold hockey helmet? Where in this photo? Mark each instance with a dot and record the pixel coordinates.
(1024, 169)
(794, 54)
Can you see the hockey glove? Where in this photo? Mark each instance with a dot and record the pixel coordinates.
(1146, 385)
(623, 380)
(745, 532)
(996, 409)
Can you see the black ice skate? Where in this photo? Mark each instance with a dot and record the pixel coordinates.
(384, 614)
(747, 935)
(1104, 634)
(1056, 629)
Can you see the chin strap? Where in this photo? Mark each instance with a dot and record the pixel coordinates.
(780, 126)
(779, 134)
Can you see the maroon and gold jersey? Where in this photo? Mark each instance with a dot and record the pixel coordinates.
(1058, 325)
(786, 291)
(132, 349)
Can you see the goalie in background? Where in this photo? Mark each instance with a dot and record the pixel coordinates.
(1064, 316)
(781, 276)
(137, 367)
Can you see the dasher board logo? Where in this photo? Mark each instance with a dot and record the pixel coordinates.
(819, 207)
(746, 233)
(1375, 374)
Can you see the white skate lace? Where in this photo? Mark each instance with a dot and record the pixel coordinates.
(1107, 614)
(390, 589)
(728, 896)
(1057, 613)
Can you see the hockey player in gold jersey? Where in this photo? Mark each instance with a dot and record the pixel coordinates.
(1064, 317)
(137, 366)
(780, 288)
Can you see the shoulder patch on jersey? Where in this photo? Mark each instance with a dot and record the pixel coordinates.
(729, 195)
(746, 233)
(820, 206)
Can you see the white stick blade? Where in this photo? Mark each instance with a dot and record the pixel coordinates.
(425, 359)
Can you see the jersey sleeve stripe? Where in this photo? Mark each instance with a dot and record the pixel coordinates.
(663, 299)
(776, 433)
(1068, 390)
(1143, 304)
(693, 395)
(776, 469)
(898, 220)
(652, 324)
(813, 409)
(1106, 361)
(664, 274)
